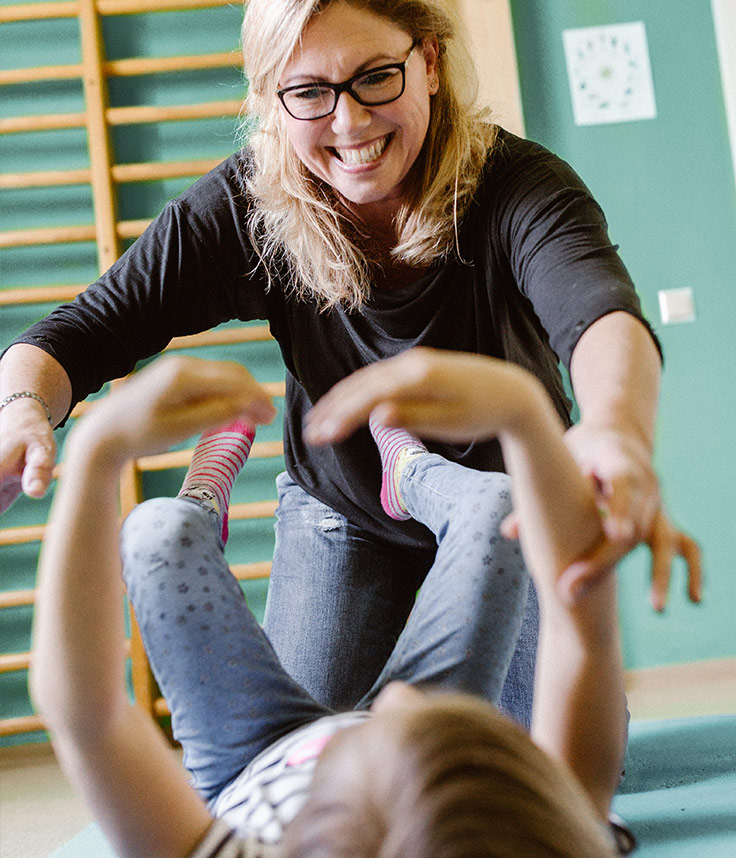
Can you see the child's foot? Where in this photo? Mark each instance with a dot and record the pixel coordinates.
(216, 462)
(396, 447)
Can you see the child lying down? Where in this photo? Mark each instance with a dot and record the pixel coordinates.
(421, 768)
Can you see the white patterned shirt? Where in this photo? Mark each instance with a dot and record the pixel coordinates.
(253, 811)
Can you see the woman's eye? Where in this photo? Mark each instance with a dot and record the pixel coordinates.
(308, 93)
(378, 78)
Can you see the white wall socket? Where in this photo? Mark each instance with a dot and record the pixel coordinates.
(676, 305)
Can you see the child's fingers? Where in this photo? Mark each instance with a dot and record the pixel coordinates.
(176, 397)
(348, 405)
(428, 417)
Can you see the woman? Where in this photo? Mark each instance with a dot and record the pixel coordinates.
(423, 774)
(373, 209)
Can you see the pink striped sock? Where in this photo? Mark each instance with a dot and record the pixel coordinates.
(217, 460)
(396, 446)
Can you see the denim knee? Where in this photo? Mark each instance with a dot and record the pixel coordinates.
(158, 533)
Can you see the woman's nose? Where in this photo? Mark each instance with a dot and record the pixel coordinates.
(349, 114)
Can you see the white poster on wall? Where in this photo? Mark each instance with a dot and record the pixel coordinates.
(724, 18)
(609, 73)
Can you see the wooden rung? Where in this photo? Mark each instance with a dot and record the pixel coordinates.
(17, 598)
(22, 535)
(120, 173)
(45, 178)
(132, 228)
(133, 7)
(221, 337)
(39, 294)
(43, 122)
(40, 73)
(123, 116)
(254, 509)
(134, 66)
(24, 724)
(251, 571)
(14, 661)
(36, 11)
(182, 458)
(147, 113)
(47, 235)
(160, 170)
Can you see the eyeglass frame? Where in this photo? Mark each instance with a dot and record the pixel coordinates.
(347, 86)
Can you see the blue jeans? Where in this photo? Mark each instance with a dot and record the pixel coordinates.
(353, 594)
(229, 693)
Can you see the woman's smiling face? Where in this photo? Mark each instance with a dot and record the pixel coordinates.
(364, 153)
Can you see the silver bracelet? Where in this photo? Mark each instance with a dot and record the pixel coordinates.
(27, 394)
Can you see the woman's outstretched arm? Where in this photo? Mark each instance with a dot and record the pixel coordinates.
(111, 751)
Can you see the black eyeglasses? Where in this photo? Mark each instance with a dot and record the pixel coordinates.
(380, 85)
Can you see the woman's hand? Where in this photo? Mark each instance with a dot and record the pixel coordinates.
(621, 468)
(627, 491)
(27, 451)
(169, 401)
(665, 542)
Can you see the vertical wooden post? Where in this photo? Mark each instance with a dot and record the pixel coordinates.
(109, 249)
(144, 685)
(98, 134)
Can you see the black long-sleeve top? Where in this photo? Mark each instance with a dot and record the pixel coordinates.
(536, 268)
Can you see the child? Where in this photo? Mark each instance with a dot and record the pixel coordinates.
(424, 774)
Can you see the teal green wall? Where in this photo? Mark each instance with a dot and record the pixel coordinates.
(667, 187)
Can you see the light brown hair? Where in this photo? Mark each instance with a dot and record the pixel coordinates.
(298, 217)
(454, 780)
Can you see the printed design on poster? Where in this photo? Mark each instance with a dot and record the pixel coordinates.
(610, 74)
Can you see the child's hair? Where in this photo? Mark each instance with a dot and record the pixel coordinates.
(455, 780)
(298, 217)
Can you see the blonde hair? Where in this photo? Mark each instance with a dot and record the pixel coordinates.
(299, 218)
(461, 781)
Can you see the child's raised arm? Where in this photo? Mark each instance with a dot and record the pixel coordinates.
(110, 750)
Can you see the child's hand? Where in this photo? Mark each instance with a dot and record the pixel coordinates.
(169, 401)
(450, 396)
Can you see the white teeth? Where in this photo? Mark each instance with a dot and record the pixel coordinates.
(362, 156)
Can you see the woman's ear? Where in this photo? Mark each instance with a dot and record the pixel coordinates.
(430, 52)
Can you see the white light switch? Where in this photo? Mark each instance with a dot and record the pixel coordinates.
(610, 74)
(676, 305)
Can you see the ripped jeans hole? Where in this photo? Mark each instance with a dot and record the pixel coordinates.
(330, 522)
